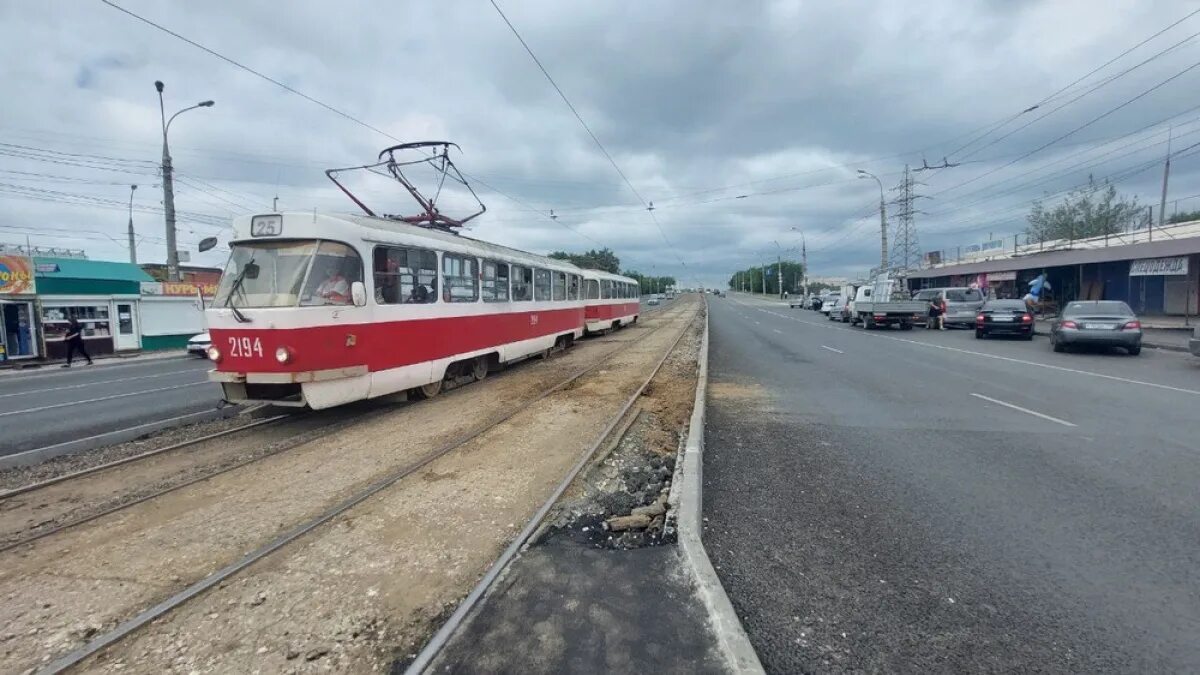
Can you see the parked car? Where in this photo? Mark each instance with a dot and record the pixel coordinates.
(833, 309)
(1101, 323)
(1004, 317)
(198, 345)
(827, 303)
(962, 304)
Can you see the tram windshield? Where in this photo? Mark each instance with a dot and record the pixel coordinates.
(288, 273)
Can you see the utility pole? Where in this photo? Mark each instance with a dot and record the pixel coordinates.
(883, 249)
(132, 243)
(1162, 205)
(168, 183)
(779, 266)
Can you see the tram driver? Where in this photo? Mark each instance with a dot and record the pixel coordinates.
(334, 290)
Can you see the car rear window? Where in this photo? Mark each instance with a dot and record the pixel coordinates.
(1102, 307)
(1004, 305)
(926, 295)
(963, 295)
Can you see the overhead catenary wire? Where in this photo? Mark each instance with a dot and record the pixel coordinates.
(1081, 78)
(1077, 129)
(648, 205)
(322, 104)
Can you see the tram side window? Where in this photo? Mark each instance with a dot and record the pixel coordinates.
(404, 275)
(605, 289)
(334, 268)
(541, 285)
(495, 281)
(460, 281)
(593, 289)
(522, 283)
(573, 287)
(560, 285)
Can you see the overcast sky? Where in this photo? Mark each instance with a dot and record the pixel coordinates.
(699, 103)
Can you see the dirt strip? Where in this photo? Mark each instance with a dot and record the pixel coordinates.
(373, 584)
(60, 592)
(35, 512)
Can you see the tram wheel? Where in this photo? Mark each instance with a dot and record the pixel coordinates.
(430, 390)
(479, 368)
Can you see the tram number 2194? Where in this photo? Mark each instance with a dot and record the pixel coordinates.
(245, 347)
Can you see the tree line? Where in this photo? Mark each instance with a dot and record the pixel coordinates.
(606, 261)
(752, 278)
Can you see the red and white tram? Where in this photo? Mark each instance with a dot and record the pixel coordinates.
(610, 301)
(321, 310)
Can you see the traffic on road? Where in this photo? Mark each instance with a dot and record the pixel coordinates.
(1021, 508)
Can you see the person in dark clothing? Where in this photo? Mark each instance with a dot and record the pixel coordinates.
(935, 315)
(75, 343)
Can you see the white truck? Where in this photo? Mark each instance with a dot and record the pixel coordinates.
(883, 302)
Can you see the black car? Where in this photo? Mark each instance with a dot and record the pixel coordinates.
(1004, 317)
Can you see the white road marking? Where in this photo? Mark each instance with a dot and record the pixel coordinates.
(757, 323)
(836, 351)
(777, 331)
(1009, 359)
(89, 384)
(1027, 411)
(102, 398)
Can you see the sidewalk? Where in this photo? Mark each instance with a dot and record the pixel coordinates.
(567, 607)
(17, 367)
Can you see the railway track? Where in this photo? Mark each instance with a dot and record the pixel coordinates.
(165, 606)
(47, 508)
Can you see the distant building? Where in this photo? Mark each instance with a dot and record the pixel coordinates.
(1156, 270)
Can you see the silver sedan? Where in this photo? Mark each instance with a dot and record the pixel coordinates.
(1101, 323)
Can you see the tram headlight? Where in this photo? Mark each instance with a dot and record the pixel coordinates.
(213, 353)
(283, 355)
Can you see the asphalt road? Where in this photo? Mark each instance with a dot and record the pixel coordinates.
(922, 501)
(54, 405)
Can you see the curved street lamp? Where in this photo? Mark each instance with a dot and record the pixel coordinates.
(168, 183)
(883, 254)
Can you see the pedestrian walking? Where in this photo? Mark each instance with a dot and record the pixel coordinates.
(943, 307)
(75, 342)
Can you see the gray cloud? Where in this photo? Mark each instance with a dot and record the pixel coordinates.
(779, 100)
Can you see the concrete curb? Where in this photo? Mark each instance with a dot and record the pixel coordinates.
(734, 645)
(39, 455)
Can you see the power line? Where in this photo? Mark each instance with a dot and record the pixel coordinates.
(1076, 129)
(1082, 78)
(248, 69)
(648, 205)
(1095, 88)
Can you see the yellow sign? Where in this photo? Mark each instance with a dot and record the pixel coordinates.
(16, 275)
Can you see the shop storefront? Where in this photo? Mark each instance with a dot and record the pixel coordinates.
(1163, 285)
(102, 296)
(18, 309)
(172, 312)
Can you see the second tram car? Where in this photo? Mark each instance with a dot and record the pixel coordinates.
(610, 301)
(321, 310)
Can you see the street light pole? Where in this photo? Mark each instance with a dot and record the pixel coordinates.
(779, 266)
(168, 182)
(803, 262)
(132, 243)
(883, 255)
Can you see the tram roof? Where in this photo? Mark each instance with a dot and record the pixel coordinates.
(397, 232)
